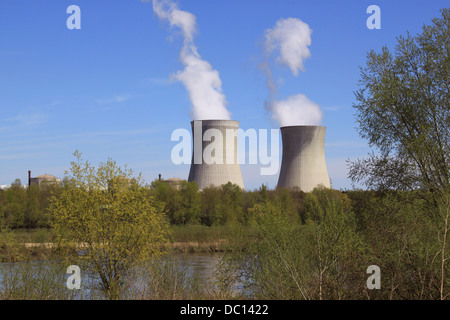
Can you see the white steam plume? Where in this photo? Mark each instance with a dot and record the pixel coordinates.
(290, 38)
(200, 79)
(296, 110)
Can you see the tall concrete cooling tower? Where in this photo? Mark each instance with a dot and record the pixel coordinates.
(303, 164)
(225, 168)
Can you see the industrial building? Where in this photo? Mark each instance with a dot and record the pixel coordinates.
(221, 171)
(303, 164)
(43, 180)
(173, 182)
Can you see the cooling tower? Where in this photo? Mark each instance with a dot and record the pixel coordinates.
(303, 164)
(214, 156)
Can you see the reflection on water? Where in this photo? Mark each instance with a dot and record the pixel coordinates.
(53, 274)
(200, 264)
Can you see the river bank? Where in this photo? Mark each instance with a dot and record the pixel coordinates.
(42, 251)
(37, 244)
(187, 246)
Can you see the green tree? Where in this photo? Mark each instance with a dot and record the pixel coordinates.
(283, 200)
(284, 259)
(181, 202)
(17, 183)
(109, 214)
(15, 206)
(230, 205)
(169, 197)
(210, 198)
(272, 264)
(332, 247)
(401, 240)
(189, 211)
(403, 110)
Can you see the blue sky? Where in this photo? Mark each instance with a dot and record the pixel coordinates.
(105, 89)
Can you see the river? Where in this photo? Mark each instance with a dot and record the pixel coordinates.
(41, 275)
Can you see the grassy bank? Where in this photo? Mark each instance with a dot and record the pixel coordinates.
(194, 238)
(38, 235)
(13, 248)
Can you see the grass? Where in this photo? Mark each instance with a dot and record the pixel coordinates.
(181, 233)
(200, 233)
(194, 238)
(13, 248)
(41, 235)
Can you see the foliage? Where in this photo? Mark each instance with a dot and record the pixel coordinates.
(165, 279)
(288, 260)
(25, 208)
(223, 205)
(110, 217)
(35, 281)
(182, 203)
(403, 111)
(333, 249)
(279, 256)
(406, 240)
(280, 244)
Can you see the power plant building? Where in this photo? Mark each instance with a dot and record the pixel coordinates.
(303, 162)
(173, 182)
(44, 180)
(217, 140)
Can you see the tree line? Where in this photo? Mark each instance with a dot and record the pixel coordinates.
(184, 204)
